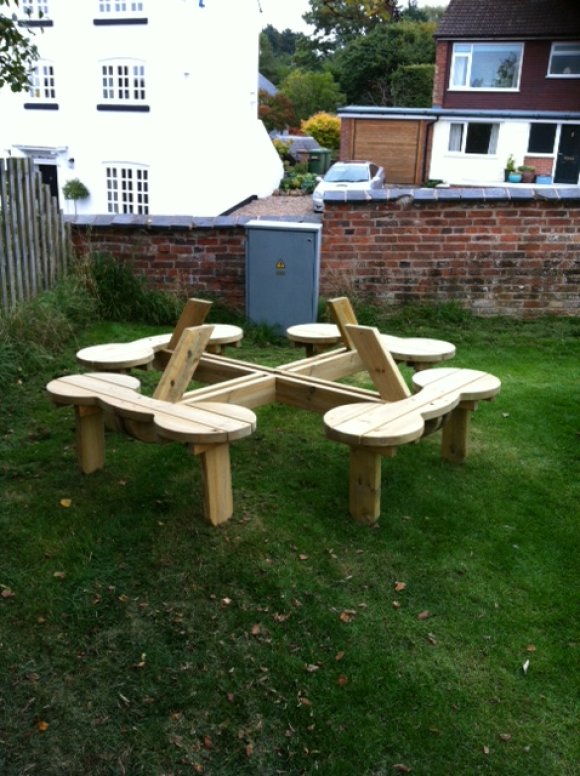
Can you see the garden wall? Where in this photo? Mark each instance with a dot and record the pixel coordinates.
(512, 252)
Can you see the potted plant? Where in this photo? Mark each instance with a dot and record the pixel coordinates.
(528, 173)
(510, 167)
(75, 189)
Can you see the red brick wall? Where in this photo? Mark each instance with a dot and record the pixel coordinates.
(496, 258)
(516, 257)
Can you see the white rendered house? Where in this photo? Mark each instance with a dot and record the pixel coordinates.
(152, 105)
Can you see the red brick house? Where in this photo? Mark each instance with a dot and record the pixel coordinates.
(507, 83)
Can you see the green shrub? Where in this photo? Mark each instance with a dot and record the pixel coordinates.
(37, 330)
(303, 181)
(123, 296)
(324, 128)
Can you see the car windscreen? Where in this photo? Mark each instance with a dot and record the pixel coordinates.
(347, 173)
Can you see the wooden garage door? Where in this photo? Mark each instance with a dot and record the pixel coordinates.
(396, 145)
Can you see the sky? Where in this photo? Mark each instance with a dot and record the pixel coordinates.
(283, 14)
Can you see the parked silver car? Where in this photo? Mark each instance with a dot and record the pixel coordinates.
(348, 176)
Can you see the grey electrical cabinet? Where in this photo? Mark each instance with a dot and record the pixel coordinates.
(282, 272)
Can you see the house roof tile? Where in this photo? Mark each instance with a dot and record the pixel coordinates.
(511, 19)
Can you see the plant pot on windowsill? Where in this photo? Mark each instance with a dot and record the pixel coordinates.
(515, 177)
(528, 173)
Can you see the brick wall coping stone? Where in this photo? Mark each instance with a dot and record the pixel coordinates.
(178, 222)
(419, 195)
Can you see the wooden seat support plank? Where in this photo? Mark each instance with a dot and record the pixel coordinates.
(379, 363)
(183, 363)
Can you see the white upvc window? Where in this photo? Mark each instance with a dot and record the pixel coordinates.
(564, 60)
(42, 83)
(123, 81)
(127, 189)
(35, 9)
(488, 66)
(474, 137)
(120, 7)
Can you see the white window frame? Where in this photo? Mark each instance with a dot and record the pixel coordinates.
(120, 8)
(554, 53)
(42, 82)
(458, 138)
(127, 188)
(37, 9)
(123, 81)
(462, 59)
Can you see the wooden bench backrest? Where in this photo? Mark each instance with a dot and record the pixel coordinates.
(343, 315)
(182, 364)
(193, 314)
(379, 363)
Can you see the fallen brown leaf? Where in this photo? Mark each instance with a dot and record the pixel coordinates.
(401, 768)
(303, 557)
(66, 502)
(339, 655)
(342, 680)
(400, 586)
(41, 726)
(59, 574)
(207, 742)
(7, 593)
(256, 629)
(348, 615)
(505, 736)
(531, 648)
(424, 615)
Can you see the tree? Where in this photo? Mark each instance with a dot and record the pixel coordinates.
(17, 52)
(345, 20)
(412, 86)
(312, 92)
(365, 66)
(276, 111)
(279, 52)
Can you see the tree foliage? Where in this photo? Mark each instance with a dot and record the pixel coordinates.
(311, 92)
(17, 52)
(280, 52)
(276, 111)
(364, 68)
(345, 20)
(412, 86)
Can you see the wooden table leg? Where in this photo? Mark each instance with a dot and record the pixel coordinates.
(217, 482)
(454, 438)
(90, 435)
(365, 484)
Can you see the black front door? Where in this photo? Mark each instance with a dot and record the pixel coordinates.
(49, 177)
(568, 163)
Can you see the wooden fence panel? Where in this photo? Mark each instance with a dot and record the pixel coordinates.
(35, 243)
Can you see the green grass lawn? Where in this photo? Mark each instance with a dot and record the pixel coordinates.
(136, 639)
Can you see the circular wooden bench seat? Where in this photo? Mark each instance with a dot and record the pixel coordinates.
(202, 423)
